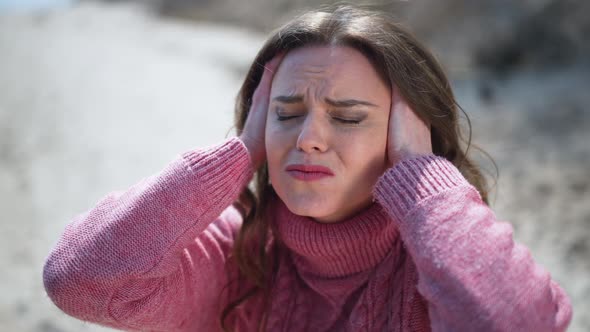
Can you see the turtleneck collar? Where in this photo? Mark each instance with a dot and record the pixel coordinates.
(337, 250)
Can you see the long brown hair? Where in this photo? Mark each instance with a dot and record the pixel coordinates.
(398, 57)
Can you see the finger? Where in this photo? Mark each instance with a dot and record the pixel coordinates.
(410, 132)
(274, 63)
(262, 92)
(396, 114)
(400, 108)
(391, 140)
(398, 103)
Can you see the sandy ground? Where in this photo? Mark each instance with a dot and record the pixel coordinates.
(96, 97)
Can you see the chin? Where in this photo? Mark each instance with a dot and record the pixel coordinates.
(323, 209)
(312, 207)
(309, 210)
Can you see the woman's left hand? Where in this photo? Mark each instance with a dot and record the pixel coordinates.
(408, 135)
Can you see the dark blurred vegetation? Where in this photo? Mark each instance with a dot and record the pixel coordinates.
(496, 36)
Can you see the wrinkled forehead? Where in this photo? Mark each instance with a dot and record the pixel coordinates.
(338, 67)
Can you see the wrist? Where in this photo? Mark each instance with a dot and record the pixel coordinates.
(400, 156)
(252, 151)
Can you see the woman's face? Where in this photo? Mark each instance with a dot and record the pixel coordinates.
(326, 131)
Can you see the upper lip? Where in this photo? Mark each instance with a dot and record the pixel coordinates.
(309, 168)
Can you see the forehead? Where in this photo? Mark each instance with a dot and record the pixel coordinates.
(337, 65)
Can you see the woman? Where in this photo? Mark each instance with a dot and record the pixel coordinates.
(367, 215)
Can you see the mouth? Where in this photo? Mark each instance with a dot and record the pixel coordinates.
(309, 172)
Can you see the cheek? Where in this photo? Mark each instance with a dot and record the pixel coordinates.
(276, 144)
(272, 132)
(366, 154)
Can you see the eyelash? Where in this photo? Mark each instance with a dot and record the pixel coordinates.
(345, 121)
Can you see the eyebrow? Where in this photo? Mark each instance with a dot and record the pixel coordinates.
(289, 99)
(348, 103)
(336, 103)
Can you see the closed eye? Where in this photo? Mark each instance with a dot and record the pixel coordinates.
(285, 118)
(346, 121)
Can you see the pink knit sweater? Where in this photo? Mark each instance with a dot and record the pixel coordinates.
(427, 255)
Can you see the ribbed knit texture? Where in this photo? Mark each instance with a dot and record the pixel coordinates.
(426, 255)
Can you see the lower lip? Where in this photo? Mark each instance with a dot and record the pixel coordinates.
(308, 176)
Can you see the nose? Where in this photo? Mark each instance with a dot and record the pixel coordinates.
(312, 136)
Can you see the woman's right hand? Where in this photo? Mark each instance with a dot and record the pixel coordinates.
(253, 133)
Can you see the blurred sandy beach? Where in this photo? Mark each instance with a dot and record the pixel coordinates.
(95, 96)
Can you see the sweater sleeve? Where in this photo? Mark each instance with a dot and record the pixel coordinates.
(470, 271)
(152, 257)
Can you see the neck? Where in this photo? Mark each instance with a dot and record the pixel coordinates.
(340, 249)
